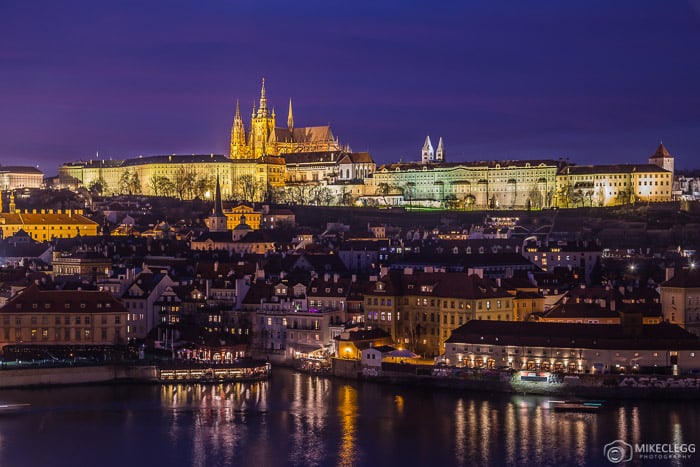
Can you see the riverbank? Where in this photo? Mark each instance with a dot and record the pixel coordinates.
(156, 373)
(606, 386)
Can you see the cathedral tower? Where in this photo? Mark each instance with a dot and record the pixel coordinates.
(261, 125)
(239, 149)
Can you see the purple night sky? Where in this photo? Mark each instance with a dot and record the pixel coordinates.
(595, 81)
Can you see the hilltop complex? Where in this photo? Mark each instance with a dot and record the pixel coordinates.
(307, 165)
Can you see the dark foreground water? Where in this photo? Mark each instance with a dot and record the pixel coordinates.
(295, 419)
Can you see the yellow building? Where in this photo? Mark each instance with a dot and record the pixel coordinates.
(242, 213)
(45, 224)
(608, 185)
(58, 317)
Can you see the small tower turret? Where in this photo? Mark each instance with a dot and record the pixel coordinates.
(663, 159)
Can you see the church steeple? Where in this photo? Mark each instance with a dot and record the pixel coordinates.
(217, 219)
(440, 152)
(12, 207)
(427, 154)
(290, 117)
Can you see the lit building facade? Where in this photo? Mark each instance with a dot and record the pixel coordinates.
(58, 317)
(680, 299)
(576, 348)
(477, 185)
(265, 138)
(14, 177)
(45, 224)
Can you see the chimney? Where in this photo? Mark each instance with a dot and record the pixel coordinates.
(670, 272)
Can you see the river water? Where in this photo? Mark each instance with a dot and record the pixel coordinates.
(296, 419)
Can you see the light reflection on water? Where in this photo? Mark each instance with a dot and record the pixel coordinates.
(295, 419)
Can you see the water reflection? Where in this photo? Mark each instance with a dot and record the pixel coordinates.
(295, 419)
(347, 411)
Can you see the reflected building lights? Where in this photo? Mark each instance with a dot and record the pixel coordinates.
(460, 433)
(348, 410)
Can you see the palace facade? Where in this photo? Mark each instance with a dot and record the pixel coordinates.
(14, 177)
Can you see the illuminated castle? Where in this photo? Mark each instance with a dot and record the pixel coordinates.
(264, 138)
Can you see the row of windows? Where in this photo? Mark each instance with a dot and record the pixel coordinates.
(57, 320)
(57, 334)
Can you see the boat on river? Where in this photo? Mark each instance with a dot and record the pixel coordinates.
(590, 406)
(12, 408)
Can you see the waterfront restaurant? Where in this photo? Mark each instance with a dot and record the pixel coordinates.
(574, 348)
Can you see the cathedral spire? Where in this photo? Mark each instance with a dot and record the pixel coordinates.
(263, 100)
(12, 206)
(290, 117)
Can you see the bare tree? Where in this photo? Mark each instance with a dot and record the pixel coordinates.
(129, 182)
(184, 182)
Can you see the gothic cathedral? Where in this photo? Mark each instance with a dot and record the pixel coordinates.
(266, 139)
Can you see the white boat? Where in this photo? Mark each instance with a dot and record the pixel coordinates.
(12, 408)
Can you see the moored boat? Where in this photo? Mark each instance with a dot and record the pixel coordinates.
(576, 406)
(12, 408)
